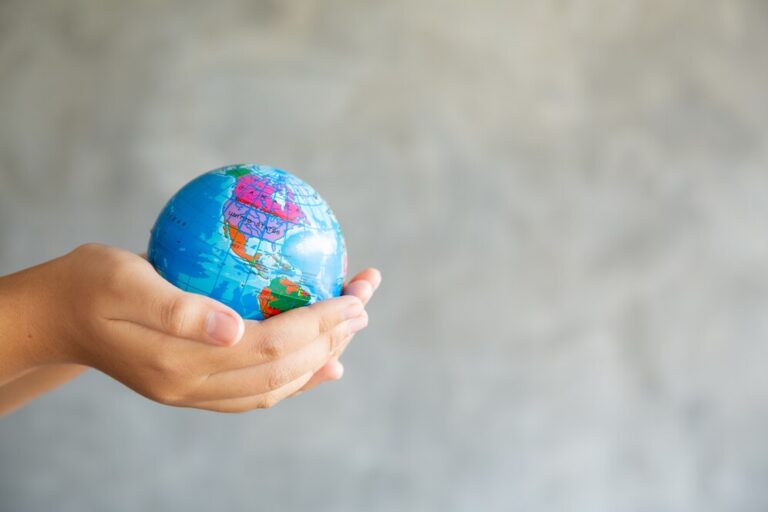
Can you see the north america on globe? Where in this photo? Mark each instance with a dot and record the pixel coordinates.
(254, 237)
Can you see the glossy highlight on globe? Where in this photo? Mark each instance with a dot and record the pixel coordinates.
(254, 237)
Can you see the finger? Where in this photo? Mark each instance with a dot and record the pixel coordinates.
(262, 401)
(254, 380)
(154, 355)
(333, 370)
(361, 289)
(288, 332)
(144, 297)
(362, 286)
(331, 366)
(279, 336)
(370, 275)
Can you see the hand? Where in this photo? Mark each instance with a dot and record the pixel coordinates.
(362, 286)
(111, 310)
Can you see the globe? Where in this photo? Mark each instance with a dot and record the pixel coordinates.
(256, 238)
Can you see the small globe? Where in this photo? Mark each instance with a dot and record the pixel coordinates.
(256, 238)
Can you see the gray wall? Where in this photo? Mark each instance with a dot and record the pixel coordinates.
(567, 199)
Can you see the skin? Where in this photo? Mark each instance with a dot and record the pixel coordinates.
(105, 308)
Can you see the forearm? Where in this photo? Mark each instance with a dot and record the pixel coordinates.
(27, 338)
(29, 386)
(31, 353)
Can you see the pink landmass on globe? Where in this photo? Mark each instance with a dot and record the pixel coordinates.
(252, 222)
(259, 209)
(252, 190)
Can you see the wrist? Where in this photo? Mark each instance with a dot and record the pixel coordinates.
(28, 336)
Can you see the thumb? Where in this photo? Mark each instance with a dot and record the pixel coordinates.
(149, 300)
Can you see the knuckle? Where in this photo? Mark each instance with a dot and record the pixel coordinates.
(167, 395)
(331, 316)
(326, 322)
(116, 279)
(318, 315)
(169, 368)
(175, 315)
(271, 347)
(269, 402)
(164, 363)
(174, 389)
(336, 339)
(276, 378)
(89, 249)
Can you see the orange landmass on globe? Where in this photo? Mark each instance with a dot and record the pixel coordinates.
(238, 245)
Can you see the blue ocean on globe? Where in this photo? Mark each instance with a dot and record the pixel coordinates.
(256, 238)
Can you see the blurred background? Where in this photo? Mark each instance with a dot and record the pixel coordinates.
(567, 199)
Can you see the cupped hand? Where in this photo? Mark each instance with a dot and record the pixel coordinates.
(178, 348)
(362, 285)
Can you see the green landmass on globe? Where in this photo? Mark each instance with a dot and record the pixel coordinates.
(282, 295)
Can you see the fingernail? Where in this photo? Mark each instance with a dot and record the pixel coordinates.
(223, 328)
(358, 324)
(353, 310)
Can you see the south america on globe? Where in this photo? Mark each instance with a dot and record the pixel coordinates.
(254, 237)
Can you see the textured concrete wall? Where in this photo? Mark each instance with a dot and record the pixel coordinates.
(567, 199)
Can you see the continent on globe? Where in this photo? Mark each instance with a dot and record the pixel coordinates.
(282, 295)
(259, 208)
(256, 238)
